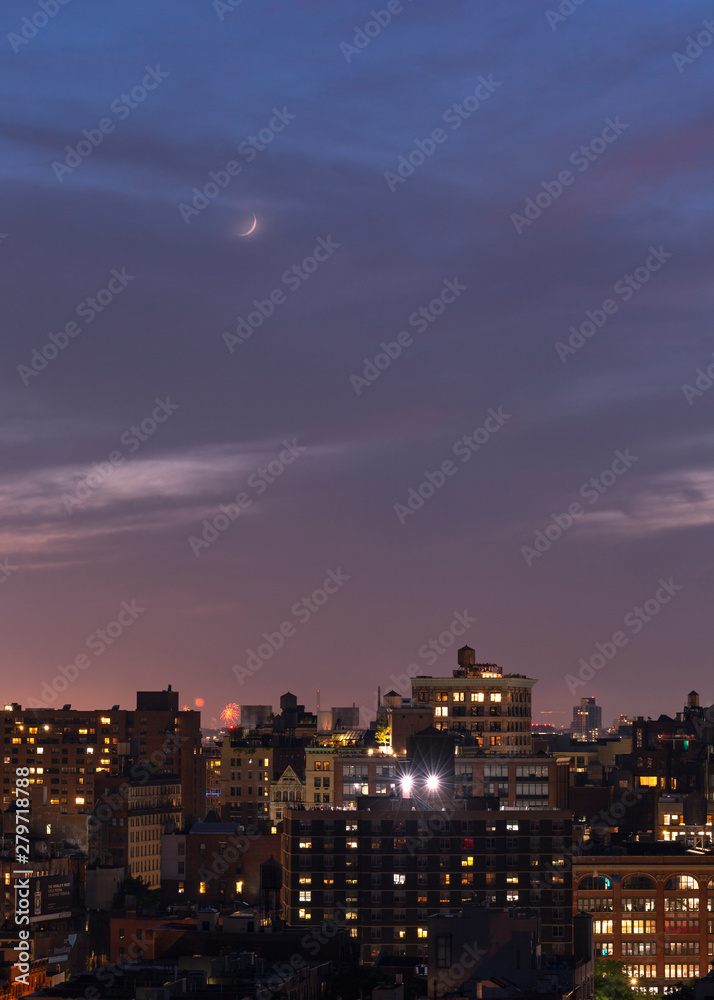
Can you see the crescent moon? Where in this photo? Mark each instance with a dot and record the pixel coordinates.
(252, 228)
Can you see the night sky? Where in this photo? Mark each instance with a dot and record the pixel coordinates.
(516, 203)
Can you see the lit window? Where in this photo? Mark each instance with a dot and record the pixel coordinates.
(239, 888)
(306, 896)
(467, 862)
(304, 914)
(441, 711)
(458, 695)
(79, 800)
(477, 696)
(495, 696)
(105, 721)
(306, 880)
(40, 749)
(306, 845)
(202, 887)
(399, 879)
(422, 932)
(648, 781)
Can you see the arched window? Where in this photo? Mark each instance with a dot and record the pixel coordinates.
(638, 882)
(677, 882)
(594, 882)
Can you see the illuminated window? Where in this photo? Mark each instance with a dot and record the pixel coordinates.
(33, 729)
(79, 800)
(306, 845)
(422, 932)
(495, 696)
(440, 711)
(239, 888)
(648, 781)
(306, 896)
(467, 862)
(305, 880)
(7, 878)
(458, 695)
(105, 721)
(40, 749)
(400, 879)
(202, 887)
(602, 927)
(477, 696)
(82, 732)
(304, 914)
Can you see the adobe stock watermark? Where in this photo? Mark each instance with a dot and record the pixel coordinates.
(454, 116)
(565, 10)
(122, 107)
(6, 569)
(132, 438)
(635, 620)
(364, 36)
(293, 278)
(625, 287)
(258, 481)
(592, 490)
(96, 642)
(88, 310)
(583, 157)
(465, 448)
(248, 151)
(695, 46)
(419, 320)
(33, 24)
(223, 7)
(302, 610)
(702, 383)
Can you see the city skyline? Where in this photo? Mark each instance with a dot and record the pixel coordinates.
(352, 332)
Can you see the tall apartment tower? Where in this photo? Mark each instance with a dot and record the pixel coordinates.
(587, 719)
(479, 699)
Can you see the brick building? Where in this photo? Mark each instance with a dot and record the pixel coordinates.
(132, 815)
(383, 868)
(64, 749)
(654, 912)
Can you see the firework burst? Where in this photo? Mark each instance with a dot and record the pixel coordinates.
(231, 714)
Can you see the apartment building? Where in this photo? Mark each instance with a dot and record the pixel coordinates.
(383, 868)
(248, 769)
(64, 749)
(132, 815)
(495, 709)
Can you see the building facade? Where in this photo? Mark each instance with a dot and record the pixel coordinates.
(478, 699)
(654, 913)
(383, 868)
(65, 749)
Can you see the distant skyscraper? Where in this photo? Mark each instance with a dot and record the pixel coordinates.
(587, 719)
